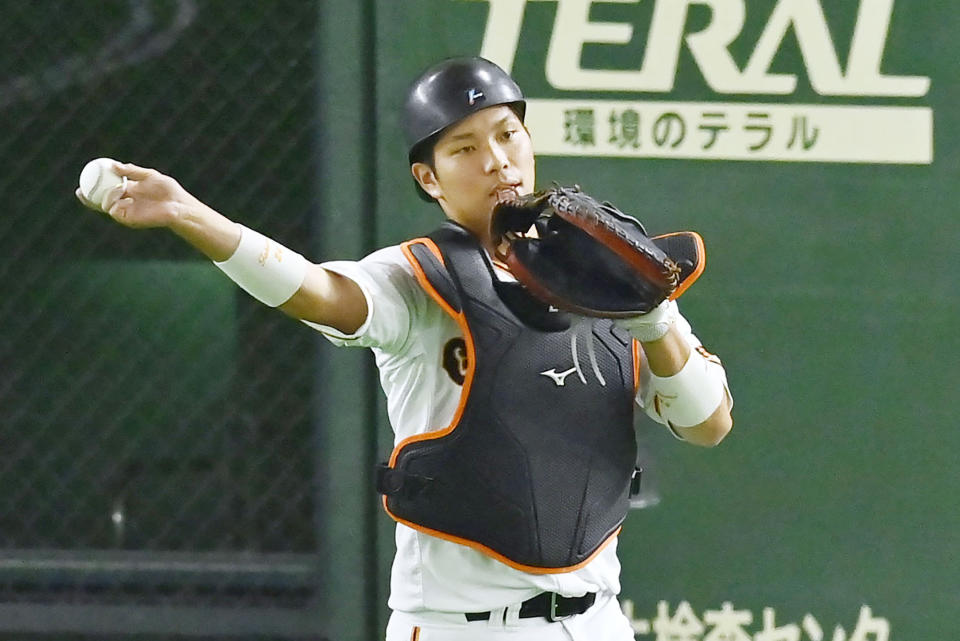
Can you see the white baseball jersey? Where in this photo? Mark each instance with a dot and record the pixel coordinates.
(410, 336)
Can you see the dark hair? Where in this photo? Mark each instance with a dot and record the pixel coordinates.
(423, 151)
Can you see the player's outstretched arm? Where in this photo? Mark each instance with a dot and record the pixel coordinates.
(150, 199)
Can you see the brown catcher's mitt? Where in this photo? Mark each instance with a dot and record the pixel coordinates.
(588, 257)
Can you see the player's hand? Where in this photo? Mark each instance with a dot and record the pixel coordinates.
(149, 199)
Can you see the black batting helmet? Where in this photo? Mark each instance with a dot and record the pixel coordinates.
(448, 92)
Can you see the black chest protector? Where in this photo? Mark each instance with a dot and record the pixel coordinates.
(535, 468)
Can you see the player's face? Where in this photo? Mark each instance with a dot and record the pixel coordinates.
(476, 162)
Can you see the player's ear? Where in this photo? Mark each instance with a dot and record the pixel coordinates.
(426, 177)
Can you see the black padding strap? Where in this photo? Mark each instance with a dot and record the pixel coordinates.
(438, 276)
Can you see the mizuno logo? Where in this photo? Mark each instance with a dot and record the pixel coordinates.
(558, 377)
(474, 95)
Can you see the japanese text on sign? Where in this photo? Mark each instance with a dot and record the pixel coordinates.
(734, 131)
(731, 624)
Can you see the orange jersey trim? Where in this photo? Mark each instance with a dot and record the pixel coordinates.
(467, 337)
(461, 321)
(637, 362)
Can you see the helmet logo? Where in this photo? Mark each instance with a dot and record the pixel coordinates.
(474, 95)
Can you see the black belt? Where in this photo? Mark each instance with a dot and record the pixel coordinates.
(548, 605)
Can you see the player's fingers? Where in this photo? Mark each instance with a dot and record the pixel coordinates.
(115, 194)
(118, 210)
(132, 171)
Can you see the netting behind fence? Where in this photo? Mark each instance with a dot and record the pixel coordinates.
(148, 408)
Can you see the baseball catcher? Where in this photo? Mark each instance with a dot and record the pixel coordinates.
(511, 385)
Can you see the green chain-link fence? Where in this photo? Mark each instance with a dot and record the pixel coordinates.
(155, 423)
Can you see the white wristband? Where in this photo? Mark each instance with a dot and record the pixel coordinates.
(653, 325)
(690, 396)
(264, 268)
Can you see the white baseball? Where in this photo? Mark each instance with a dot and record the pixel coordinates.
(97, 179)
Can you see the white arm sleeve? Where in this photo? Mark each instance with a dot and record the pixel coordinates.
(711, 373)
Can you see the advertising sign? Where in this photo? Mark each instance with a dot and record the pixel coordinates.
(753, 113)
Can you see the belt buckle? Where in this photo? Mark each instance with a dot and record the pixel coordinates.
(552, 617)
